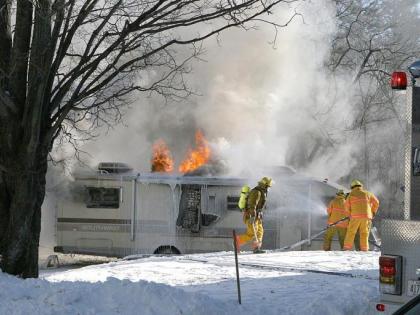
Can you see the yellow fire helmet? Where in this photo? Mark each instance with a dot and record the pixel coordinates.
(266, 181)
(340, 193)
(355, 183)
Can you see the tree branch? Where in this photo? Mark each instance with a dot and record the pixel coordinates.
(5, 42)
(20, 51)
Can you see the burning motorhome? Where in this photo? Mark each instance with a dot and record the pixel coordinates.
(191, 208)
(117, 212)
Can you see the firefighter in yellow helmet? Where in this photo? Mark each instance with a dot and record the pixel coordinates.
(362, 206)
(336, 211)
(256, 201)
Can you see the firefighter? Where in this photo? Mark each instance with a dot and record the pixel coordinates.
(362, 206)
(256, 201)
(336, 211)
(356, 237)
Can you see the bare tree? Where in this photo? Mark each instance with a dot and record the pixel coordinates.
(66, 63)
(369, 41)
(375, 38)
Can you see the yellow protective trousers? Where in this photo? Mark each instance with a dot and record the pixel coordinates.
(329, 235)
(252, 230)
(357, 238)
(357, 224)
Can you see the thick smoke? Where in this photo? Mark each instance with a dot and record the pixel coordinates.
(257, 100)
(264, 99)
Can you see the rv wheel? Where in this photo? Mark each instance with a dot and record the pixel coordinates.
(167, 250)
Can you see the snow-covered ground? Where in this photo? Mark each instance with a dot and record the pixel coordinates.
(304, 282)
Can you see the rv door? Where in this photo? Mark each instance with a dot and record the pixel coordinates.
(190, 208)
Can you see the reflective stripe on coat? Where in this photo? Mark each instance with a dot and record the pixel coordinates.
(336, 211)
(361, 204)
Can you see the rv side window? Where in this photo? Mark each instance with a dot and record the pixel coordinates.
(100, 197)
(232, 203)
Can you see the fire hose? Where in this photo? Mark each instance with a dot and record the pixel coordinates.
(309, 239)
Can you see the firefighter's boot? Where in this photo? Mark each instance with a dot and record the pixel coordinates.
(259, 251)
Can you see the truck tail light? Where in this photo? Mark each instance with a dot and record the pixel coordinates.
(399, 80)
(387, 270)
(380, 307)
(390, 274)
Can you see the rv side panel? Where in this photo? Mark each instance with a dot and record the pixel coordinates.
(96, 218)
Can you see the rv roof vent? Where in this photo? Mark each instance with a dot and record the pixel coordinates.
(114, 167)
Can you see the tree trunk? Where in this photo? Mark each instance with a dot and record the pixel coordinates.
(4, 210)
(25, 188)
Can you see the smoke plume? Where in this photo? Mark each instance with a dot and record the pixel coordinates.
(260, 94)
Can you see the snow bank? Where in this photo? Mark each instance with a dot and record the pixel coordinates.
(310, 283)
(36, 296)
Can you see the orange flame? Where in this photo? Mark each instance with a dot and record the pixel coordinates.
(162, 158)
(197, 157)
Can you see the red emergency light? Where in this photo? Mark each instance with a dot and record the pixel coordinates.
(399, 80)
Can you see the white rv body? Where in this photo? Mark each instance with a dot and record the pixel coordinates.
(158, 213)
